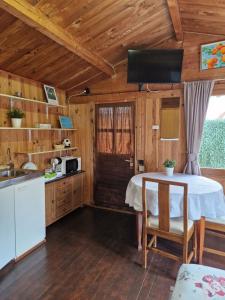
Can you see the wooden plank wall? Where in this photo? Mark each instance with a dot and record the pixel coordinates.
(191, 64)
(157, 150)
(83, 117)
(17, 140)
(148, 145)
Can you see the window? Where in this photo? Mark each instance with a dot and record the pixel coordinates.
(169, 118)
(212, 151)
(115, 129)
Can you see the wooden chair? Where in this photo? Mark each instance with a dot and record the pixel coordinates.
(217, 228)
(179, 230)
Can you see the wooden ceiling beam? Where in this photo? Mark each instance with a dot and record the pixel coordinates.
(33, 17)
(176, 19)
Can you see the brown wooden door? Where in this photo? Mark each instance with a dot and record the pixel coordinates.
(114, 159)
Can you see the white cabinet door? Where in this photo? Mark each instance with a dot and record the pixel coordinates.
(29, 214)
(7, 225)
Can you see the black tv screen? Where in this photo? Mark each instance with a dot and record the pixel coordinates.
(154, 66)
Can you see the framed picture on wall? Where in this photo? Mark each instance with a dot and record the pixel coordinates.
(65, 122)
(213, 56)
(51, 94)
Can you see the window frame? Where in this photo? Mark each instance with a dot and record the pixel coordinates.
(114, 130)
(214, 172)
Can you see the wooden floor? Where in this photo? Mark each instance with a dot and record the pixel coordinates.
(91, 254)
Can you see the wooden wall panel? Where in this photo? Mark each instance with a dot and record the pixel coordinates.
(18, 140)
(191, 63)
(11, 83)
(83, 117)
(190, 72)
(140, 107)
(117, 89)
(156, 150)
(148, 145)
(118, 84)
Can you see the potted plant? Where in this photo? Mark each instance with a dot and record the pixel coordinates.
(16, 116)
(169, 166)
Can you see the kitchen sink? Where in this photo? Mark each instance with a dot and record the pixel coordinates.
(14, 176)
(13, 173)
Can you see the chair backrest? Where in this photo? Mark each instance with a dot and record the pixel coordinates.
(164, 202)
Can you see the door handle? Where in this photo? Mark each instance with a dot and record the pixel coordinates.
(130, 161)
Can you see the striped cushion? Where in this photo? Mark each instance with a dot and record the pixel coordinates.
(176, 224)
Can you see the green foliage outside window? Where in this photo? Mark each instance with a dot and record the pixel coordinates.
(212, 152)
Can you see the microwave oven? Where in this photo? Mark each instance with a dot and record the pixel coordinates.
(69, 165)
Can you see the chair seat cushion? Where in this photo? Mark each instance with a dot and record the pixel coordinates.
(220, 220)
(176, 224)
(197, 282)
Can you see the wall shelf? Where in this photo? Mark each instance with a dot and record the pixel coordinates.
(16, 98)
(29, 143)
(48, 151)
(33, 128)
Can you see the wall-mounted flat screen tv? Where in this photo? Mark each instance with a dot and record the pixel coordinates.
(154, 66)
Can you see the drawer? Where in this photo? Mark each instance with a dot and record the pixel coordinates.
(67, 198)
(64, 183)
(63, 193)
(60, 201)
(63, 209)
(77, 194)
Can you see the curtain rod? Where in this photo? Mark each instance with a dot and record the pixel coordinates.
(221, 79)
(218, 79)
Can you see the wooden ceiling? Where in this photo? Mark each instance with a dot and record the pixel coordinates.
(105, 27)
(203, 16)
(72, 43)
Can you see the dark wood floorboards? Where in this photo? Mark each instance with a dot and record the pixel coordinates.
(91, 254)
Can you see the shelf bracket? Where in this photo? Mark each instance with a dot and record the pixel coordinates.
(30, 135)
(46, 110)
(29, 157)
(69, 109)
(11, 103)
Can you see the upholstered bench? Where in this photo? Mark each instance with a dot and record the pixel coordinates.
(197, 282)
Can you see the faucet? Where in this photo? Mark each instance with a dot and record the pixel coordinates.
(10, 163)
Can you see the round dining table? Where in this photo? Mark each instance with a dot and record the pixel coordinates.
(205, 200)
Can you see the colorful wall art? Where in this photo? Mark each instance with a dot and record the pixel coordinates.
(212, 56)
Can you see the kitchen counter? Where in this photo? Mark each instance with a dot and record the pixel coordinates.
(18, 176)
(63, 176)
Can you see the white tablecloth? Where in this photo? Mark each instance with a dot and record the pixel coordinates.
(205, 196)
